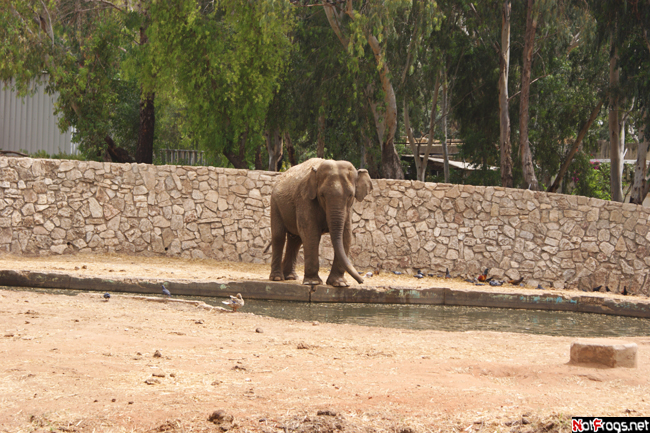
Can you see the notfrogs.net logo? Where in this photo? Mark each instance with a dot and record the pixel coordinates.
(610, 424)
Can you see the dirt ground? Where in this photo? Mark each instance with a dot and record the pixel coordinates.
(80, 363)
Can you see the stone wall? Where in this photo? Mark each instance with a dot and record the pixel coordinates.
(65, 207)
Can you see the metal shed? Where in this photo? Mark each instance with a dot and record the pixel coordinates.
(28, 124)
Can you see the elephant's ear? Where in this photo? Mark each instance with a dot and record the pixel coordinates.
(309, 185)
(364, 184)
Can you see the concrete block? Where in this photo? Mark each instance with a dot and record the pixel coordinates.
(609, 353)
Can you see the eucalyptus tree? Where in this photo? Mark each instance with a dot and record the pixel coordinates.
(78, 53)
(225, 58)
(359, 25)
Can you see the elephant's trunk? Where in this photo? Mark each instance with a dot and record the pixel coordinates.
(336, 234)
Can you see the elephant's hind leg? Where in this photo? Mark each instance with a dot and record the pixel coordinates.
(290, 256)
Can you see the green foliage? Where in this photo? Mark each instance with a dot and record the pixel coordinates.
(225, 59)
(78, 54)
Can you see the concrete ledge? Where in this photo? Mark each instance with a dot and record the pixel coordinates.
(294, 291)
(607, 353)
(391, 295)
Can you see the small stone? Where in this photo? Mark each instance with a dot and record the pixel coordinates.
(259, 330)
(130, 402)
(315, 323)
(158, 375)
(151, 381)
(157, 354)
(172, 375)
(327, 412)
(220, 416)
(113, 400)
(302, 345)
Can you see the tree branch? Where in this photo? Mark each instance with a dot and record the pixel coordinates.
(50, 20)
(581, 135)
(106, 2)
(334, 20)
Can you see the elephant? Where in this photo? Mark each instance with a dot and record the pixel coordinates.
(310, 199)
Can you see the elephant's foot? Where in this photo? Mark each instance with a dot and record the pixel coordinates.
(312, 281)
(291, 276)
(337, 282)
(276, 276)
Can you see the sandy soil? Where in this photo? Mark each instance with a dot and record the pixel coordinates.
(79, 363)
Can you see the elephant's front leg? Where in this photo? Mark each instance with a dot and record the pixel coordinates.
(310, 248)
(336, 277)
(278, 235)
(290, 256)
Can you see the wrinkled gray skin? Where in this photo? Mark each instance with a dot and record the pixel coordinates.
(310, 199)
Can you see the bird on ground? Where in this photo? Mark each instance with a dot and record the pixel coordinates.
(368, 274)
(419, 274)
(397, 273)
(107, 296)
(430, 274)
(516, 282)
(496, 283)
(539, 287)
(596, 289)
(235, 302)
(447, 274)
(624, 292)
(483, 277)
(165, 291)
(607, 289)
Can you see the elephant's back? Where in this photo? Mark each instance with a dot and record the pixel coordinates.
(286, 180)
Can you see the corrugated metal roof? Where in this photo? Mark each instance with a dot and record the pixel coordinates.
(29, 124)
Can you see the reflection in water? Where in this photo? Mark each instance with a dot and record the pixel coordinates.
(458, 319)
(439, 317)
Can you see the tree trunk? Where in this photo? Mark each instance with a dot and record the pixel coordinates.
(320, 150)
(258, 158)
(524, 145)
(117, 154)
(504, 116)
(238, 160)
(386, 124)
(640, 186)
(576, 145)
(274, 147)
(615, 152)
(445, 105)
(291, 151)
(144, 152)
(415, 146)
(432, 129)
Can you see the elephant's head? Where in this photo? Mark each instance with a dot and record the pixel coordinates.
(336, 184)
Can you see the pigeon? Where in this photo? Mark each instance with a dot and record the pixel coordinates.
(107, 296)
(368, 274)
(596, 289)
(496, 283)
(165, 291)
(235, 302)
(431, 275)
(418, 276)
(539, 287)
(397, 273)
(447, 274)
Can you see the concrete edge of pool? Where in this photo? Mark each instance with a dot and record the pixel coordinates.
(293, 291)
